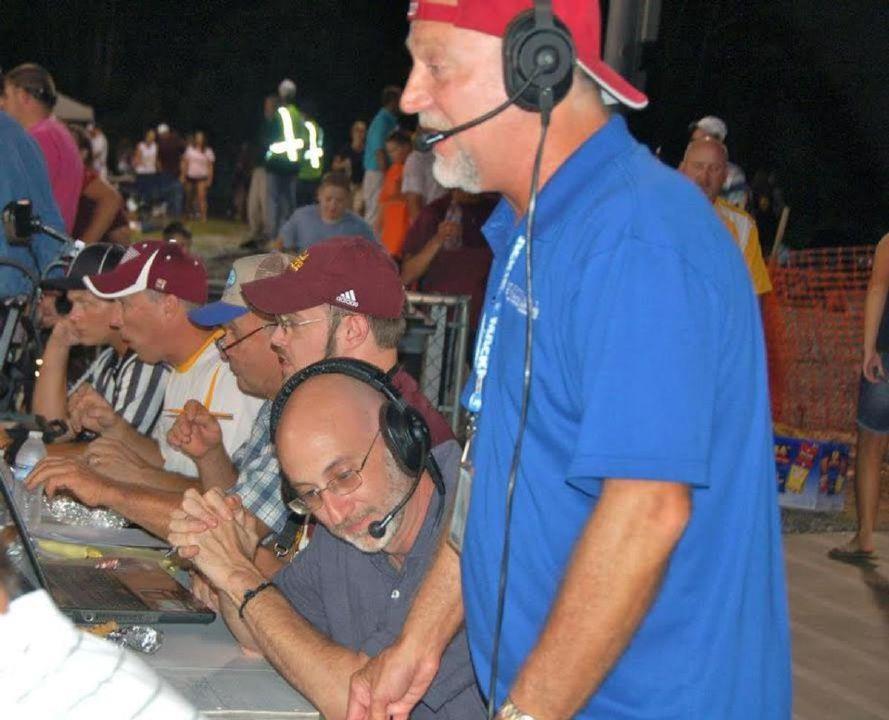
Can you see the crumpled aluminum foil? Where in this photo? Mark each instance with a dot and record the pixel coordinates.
(69, 511)
(141, 638)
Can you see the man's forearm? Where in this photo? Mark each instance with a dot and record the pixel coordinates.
(610, 583)
(162, 480)
(217, 470)
(317, 667)
(144, 446)
(415, 267)
(144, 506)
(50, 390)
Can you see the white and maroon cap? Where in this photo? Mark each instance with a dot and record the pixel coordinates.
(155, 265)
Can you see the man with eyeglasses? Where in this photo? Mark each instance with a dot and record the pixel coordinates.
(252, 471)
(345, 597)
(342, 297)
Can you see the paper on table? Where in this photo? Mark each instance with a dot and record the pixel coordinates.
(115, 537)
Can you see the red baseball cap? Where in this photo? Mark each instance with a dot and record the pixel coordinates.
(352, 273)
(581, 17)
(155, 265)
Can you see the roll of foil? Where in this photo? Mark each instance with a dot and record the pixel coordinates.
(141, 638)
(69, 511)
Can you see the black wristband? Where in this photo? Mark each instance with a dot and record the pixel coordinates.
(250, 594)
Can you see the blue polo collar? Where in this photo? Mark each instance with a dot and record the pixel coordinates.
(580, 170)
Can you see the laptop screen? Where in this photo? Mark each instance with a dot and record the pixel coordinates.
(15, 545)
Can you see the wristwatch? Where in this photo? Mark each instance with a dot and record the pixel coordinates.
(508, 711)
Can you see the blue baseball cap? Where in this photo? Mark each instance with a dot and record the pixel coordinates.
(232, 304)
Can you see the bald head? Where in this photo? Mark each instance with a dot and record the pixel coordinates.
(706, 163)
(329, 405)
(329, 429)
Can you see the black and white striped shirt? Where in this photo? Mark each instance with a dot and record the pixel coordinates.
(133, 388)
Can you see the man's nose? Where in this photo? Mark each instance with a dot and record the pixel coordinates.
(415, 98)
(336, 508)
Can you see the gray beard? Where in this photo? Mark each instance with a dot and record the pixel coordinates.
(459, 171)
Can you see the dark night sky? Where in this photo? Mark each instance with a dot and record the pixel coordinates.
(803, 84)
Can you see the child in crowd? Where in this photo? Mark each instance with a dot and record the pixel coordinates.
(394, 220)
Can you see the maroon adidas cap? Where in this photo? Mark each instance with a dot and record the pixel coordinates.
(352, 273)
(155, 265)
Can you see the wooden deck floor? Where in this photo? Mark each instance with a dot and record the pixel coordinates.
(840, 626)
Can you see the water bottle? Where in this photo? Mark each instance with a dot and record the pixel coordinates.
(30, 453)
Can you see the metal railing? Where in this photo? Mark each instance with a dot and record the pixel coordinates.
(435, 349)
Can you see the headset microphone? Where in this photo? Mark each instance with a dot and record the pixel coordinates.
(378, 527)
(425, 141)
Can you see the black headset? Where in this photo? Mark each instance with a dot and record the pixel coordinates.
(538, 58)
(402, 427)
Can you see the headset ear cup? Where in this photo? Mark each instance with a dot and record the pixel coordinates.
(525, 45)
(406, 435)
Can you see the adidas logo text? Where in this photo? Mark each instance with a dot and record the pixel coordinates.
(347, 298)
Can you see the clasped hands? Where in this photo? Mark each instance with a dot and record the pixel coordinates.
(217, 534)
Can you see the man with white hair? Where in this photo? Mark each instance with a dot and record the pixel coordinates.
(642, 441)
(735, 188)
(706, 164)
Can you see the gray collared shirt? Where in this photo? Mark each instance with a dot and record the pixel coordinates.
(360, 600)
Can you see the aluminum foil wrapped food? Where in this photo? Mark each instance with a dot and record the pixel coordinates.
(69, 511)
(141, 638)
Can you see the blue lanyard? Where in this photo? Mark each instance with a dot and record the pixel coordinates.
(488, 328)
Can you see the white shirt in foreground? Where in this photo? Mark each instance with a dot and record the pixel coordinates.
(50, 670)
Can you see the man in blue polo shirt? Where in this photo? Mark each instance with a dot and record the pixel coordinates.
(23, 176)
(645, 571)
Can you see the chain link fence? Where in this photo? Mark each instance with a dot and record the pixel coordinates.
(435, 349)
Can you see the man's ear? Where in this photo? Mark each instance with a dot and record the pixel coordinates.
(172, 305)
(351, 333)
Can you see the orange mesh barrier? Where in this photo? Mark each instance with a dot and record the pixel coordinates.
(814, 323)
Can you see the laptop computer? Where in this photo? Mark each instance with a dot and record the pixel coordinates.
(128, 590)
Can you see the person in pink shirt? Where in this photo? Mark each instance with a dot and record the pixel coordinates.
(29, 95)
(196, 174)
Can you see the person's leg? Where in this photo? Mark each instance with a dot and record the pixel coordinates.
(256, 203)
(177, 198)
(290, 207)
(871, 450)
(873, 439)
(274, 198)
(202, 199)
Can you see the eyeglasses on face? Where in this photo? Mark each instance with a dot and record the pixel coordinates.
(223, 348)
(287, 323)
(345, 482)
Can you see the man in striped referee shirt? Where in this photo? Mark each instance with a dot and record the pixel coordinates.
(134, 389)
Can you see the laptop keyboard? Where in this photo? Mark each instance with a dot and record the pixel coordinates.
(90, 588)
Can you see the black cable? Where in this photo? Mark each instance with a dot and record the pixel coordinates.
(523, 414)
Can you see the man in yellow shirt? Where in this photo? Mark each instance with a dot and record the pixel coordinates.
(706, 164)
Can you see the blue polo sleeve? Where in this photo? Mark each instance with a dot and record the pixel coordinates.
(646, 342)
